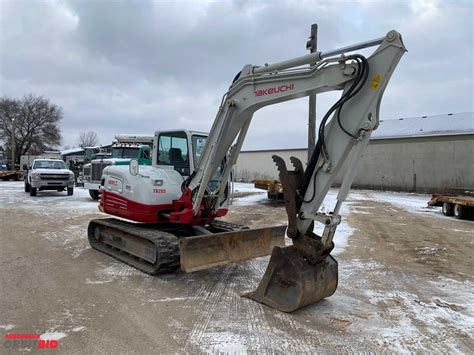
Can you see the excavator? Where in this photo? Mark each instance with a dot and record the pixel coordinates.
(169, 211)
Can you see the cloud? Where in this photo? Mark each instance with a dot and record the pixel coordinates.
(140, 66)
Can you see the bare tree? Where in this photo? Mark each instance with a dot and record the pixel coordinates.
(34, 120)
(87, 139)
(243, 175)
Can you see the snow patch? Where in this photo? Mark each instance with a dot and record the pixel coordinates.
(410, 202)
(114, 272)
(343, 232)
(429, 250)
(250, 200)
(51, 204)
(246, 187)
(168, 299)
(97, 282)
(461, 230)
(7, 327)
(440, 314)
(52, 336)
(226, 342)
(360, 212)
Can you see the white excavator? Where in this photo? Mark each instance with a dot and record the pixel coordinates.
(173, 205)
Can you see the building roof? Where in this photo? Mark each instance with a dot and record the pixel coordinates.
(71, 151)
(426, 126)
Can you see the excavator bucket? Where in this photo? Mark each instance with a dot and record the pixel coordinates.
(303, 273)
(290, 282)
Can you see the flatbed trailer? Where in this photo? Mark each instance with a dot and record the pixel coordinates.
(459, 206)
(11, 175)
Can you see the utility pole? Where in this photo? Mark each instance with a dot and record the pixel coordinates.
(13, 144)
(312, 46)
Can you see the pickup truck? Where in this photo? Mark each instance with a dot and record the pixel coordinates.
(49, 174)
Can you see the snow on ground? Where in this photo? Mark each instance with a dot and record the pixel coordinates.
(249, 200)
(52, 336)
(417, 203)
(47, 202)
(255, 197)
(7, 327)
(58, 204)
(396, 317)
(247, 187)
(258, 196)
(410, 202)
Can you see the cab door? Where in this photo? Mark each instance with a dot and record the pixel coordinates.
(173, 150)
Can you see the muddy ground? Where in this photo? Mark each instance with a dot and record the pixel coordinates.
(405, 284)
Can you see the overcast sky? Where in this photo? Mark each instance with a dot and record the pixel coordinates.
(139, 66)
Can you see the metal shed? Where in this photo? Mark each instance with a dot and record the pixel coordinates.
(422, 154)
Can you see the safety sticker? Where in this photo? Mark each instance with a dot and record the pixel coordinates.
(376, 81)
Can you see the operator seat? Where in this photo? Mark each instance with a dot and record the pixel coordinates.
(176, 157)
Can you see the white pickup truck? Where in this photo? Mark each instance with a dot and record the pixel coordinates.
(49, 174)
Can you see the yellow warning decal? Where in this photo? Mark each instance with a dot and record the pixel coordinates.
(376, 81)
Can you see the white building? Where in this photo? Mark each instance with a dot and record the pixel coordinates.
(423, 154)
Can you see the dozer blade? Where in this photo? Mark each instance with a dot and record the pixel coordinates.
(206, 251)
(290, 282)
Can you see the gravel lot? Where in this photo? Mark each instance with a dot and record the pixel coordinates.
(405, 284)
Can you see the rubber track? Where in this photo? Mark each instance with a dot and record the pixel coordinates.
(166, 244)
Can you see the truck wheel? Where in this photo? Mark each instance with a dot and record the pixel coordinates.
(94, 194)
(459, 211)
(27, 186)
(32, 191)
(70, 191)
(448, 209)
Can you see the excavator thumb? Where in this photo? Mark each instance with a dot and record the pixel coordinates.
(291, 282)
(300, 274)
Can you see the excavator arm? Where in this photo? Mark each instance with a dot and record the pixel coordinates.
(355, 116)
(305, 272)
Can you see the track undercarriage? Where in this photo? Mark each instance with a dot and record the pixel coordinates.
(163, 248)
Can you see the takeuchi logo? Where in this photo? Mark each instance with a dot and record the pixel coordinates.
(275, 90)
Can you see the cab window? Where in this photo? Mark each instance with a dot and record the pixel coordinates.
(198, 147)
(145, 154)
(173, 150)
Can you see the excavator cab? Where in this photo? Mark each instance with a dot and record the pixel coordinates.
(182, 150)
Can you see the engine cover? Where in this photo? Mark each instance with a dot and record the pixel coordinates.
(140, 198)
